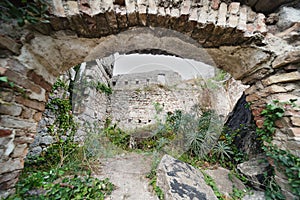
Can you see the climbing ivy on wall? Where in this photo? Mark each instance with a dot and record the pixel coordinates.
(285, 162)
(61, 172)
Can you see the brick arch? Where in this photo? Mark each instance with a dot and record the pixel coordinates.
(79, 31)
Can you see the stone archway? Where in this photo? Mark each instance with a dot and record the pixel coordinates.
(233, 35)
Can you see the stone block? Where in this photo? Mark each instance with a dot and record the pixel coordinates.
(11, 165)
(222, 15)
(5, 132)
(225, 181)
(193, 14)
(185, 7)
(212, 16)
(254, 170)
(260, 24)
(287, 58)
(295, 121)
(20, 151)
(58, 8)
(257, 111)
(27, 113)
(242, 25)
(40, 106)
(9, 184)
(233, 21)
(292, 67)
(9, 176)
(179, 180)
(161, 17)
(259, 123)
(215, 4)
(39, 80)
(98, 25)
(10, 44)
(24, 140)
(37, 116)
(234, 8)
(13, 122)
(22, 81)
(252, 97)
(294, 132)
(272, 89)
(10, 109)
(203, 14)
(142, 14)
(2, 70)
(282, 78)
(72, 8)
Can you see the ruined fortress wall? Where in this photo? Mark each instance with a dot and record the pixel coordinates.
(135, 108)
(137, 80)
(89, 105)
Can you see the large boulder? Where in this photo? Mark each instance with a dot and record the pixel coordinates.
(179, 180)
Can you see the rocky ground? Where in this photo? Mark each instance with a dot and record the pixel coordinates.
(128, 173)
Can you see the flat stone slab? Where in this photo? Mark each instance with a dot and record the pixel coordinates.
(225, 181)
(128, 173)
(179, 181)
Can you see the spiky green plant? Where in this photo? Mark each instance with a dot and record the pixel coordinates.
(221, 149)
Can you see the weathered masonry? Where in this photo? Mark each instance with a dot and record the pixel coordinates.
(234, 36)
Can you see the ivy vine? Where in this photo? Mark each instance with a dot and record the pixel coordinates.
(285, 162)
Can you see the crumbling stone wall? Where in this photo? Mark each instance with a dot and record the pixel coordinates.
(134, 107)
(236, 38)
(138, 80)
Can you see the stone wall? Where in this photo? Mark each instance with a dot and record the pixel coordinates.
(134, 108)
(138, 80)
(88, 104)
(133, 105)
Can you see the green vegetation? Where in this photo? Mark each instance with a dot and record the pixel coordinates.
(285, 162)
(63, 170)
(99, 86)
(24, 11)
(4, 80)
(152, 176)
(58, 184)
(209, 181)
